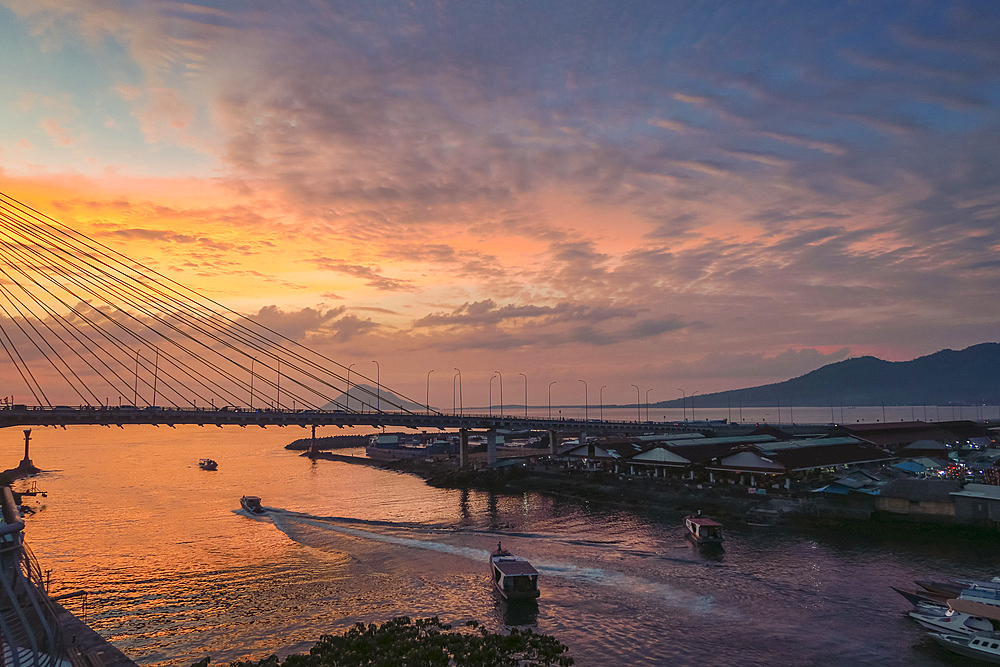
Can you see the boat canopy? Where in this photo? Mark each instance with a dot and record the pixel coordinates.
(514, 567)
(699, 521)
(975, 608)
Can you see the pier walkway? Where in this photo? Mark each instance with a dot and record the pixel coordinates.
(84, 647)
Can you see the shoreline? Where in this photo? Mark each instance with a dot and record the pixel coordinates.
(727, 505)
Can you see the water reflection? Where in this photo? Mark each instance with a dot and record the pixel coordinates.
(175, 570)
(513, 613)
(712, 552)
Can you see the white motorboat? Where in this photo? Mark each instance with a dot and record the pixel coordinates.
(983, 646)
(949, 621)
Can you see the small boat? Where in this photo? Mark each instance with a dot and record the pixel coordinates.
(513, 577)
(983, 646)
(207, 464)
(955, 587)
(950, 588)
(925, 597)
(703, 531)
(949, 621)
(251, 504)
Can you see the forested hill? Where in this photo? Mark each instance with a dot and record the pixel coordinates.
(965, 377)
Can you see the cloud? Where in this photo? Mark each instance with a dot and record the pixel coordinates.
(371, 275)
(745, 176)
(297, 325)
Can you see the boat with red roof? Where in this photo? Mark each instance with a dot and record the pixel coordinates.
(702, 530)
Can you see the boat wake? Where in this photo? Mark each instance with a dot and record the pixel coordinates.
(302, 529)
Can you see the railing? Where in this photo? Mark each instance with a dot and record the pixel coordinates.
(29, 631)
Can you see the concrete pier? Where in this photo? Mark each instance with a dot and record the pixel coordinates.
(84, 646)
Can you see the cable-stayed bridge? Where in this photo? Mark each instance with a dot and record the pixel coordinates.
(132, 346)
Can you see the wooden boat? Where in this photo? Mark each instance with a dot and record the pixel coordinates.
(207, 464)
(922, 597)
(703, 530)
(251, 504)
(513, 577)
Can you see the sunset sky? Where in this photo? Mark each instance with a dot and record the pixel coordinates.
(697, 195)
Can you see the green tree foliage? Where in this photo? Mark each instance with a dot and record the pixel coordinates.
(402, 642)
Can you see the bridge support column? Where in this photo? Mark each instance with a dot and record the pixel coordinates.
(491, 447)
(553, 444)
(463, 448)
(313, 450)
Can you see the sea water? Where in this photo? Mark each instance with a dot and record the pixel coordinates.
(175, 570)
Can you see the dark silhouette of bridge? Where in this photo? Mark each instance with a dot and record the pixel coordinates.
(79, 319)
(24, 415)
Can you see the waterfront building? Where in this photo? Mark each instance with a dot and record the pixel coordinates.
(977, 505)
(919, 499)
(894, 437)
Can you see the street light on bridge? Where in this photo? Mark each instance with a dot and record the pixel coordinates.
(550, 398)
(458, 374)
(525, 394)
(683, 403)
(251, 383)
(647, 403)
(135, 392)
(692, 404)
(638, 403)
(585, 401)
(378, 387)
(491, 394)
(427, 396)
(601, 394)
(349, 387)
(501, 391)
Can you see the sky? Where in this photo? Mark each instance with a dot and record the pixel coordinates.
(678, 196)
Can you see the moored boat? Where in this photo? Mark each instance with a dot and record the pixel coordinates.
(207, 464)
(983, 646)
(703, 530)
(924, 597)
(251, 504)
(949, 621)
(513, 577)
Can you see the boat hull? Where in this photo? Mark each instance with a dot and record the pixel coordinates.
(961, 645)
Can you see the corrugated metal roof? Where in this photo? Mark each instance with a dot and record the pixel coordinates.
(921, 489)
(979, 491)
(810, 442)
(660, 455)
(727, 440)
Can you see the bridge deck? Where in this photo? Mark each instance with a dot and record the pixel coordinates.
(20, 415)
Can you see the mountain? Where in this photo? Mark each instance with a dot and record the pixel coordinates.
(364, 397)
(966, 377)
